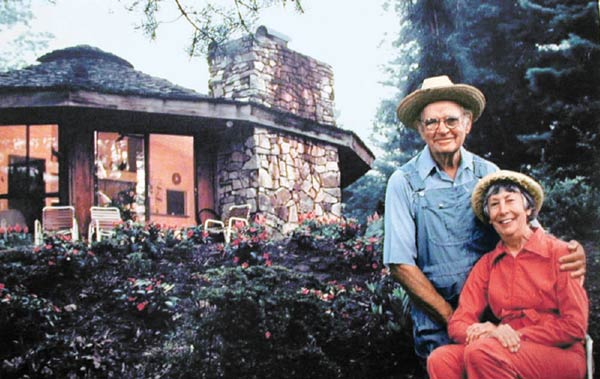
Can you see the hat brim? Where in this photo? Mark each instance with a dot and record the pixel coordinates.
(468, 96)
(524, 181)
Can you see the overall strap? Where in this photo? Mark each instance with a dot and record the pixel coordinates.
(479, 167)
(414, 180)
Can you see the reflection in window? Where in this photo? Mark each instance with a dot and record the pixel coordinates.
(120, 174)
(28, 169)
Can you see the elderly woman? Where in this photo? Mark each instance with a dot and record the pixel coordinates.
(542, 311)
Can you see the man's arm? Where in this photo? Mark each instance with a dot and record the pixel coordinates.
(575, 261)
(422, 292)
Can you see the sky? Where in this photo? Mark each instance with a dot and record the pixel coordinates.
(350, 35)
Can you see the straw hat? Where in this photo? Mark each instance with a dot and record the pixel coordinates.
(439, 88)
(522, 180)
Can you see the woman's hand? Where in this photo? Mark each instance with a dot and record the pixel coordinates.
(479, 330)
(508, 337)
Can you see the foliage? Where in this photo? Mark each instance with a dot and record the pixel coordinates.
(15, 16)
(138, 306)
(13, 236)
(211, 22)
(571, 209)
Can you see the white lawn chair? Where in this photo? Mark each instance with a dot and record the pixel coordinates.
(236, 214)
(56, 220)
(103, 221)
(589, 348)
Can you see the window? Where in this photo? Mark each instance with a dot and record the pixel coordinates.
(175, 203)
(120, 174)
(29, 169)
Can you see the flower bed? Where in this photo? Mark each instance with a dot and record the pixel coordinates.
(156, 302)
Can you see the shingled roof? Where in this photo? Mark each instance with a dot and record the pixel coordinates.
(88, 68)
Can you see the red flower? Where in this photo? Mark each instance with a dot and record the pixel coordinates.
(190, 233)
(267, 334)
(354, 267)
(268, 263)
(236, 260)
(265, 256)
(51, 263)
(18, 228)
(1, 286)
(245, 265)
(25, 229)
(75, 251)
(2, 230)
(305, 291)
(141, 306)
(131, 299)
(48, 247)
(149, 288)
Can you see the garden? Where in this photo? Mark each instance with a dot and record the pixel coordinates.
(159, 302)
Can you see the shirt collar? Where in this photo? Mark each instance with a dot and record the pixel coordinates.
(426, 163)
(534, 245)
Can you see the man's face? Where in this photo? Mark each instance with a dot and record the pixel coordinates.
(442, 139)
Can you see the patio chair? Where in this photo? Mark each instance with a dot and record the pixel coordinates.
(589, 344)
(56, 220)
(102, 223)
(236, 214)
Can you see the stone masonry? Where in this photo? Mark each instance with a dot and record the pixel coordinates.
(263, 70)
(281, 177)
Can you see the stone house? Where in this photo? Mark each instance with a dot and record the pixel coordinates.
(83, 127)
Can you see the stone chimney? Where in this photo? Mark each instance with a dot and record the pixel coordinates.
(261, 69)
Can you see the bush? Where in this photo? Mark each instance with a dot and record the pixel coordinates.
(14, 236)
(571, 209)
(158, 302)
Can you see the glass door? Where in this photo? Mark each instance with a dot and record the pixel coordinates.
(171, 180)
(121, 174)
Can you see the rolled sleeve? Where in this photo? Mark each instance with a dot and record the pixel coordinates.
(400, 238)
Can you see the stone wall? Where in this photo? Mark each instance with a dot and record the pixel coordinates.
(281, 176)
(263, 70)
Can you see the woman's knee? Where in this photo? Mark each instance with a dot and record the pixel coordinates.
(445, 362)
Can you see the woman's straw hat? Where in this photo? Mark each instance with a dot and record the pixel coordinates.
(505, 176)
(439, 88)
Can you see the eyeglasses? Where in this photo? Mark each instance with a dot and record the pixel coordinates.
(432, 124)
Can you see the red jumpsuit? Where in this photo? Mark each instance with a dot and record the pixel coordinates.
(531, 294)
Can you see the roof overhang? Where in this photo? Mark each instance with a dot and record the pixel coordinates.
(355, 156)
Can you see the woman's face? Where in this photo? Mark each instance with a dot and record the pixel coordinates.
(508, 214)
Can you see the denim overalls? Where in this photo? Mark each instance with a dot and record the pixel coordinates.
(450, 239)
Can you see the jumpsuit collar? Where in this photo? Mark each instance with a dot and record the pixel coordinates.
(534, 245)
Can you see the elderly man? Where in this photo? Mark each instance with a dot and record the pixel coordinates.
(432, 237)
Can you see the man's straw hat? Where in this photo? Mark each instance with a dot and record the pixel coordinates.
(439, 88)
(505, 176)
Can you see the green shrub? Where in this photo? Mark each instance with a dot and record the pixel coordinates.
(571, 209)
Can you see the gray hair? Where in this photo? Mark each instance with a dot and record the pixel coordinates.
(509, 186)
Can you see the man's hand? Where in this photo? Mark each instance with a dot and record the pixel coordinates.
(574, 261)
(508, 337)
(479, 330)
